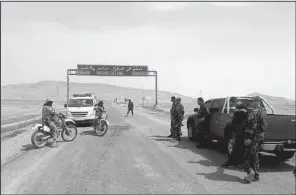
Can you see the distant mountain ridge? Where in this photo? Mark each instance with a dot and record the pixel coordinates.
(58, 90)
(275, 100)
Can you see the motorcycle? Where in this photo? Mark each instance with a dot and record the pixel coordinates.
(101, 124)
(42, 133)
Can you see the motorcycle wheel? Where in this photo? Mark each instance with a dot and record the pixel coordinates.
(103, 130)
(37, 140)
(72, 130)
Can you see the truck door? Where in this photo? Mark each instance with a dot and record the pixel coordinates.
(226, 115)
(215, 111)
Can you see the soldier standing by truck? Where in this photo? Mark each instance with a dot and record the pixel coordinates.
(173, 99)
(238, 126)
(258, 123)
(178, 115)
(202, 123)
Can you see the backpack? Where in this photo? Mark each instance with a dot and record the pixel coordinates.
(252, 119)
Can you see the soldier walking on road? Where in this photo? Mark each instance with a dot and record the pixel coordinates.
(258, 123)
(178, 115)
(173, 99)
(130, 107)
(202, 123)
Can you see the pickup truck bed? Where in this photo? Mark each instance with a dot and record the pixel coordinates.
(280, 127)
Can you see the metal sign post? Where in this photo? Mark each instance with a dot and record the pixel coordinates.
(110, 70)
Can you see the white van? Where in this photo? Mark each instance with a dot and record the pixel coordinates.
(80, 108)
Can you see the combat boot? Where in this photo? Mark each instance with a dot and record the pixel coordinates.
(53, 144)
(256, 177)
(250, 176)
(170, 136)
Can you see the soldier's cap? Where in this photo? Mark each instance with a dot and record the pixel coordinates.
(256, 98)
(47, 101)
(173, 98)
(178, 99)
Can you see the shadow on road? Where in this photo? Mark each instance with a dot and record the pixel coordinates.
(28, 147)
(91, 132)
(267, 163)
(161, 138)
(219, 175)
(84, 124)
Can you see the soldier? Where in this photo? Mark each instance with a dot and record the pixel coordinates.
(130, 107)
(178, 115)
(258, 123)
(99, 108)
(202, 123)
(48, 119)
(238, 126)
(173, 99)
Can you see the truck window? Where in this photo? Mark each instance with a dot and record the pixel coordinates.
(217, 105)
(232, 105)
(266, 107)
(208, 104)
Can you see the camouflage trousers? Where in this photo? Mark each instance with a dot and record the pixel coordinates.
(172, 127)
(251, 153)
(176, 127)
(53, 127)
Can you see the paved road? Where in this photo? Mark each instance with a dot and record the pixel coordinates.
(133, 157)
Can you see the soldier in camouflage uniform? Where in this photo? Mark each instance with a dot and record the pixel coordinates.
(258, 124)
(173, 99)
(202, 123)
(48, 119)
(178, 115)
(238, 125)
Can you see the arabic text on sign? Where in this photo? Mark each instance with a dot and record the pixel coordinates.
(84, 72)
(119, 69)
(104, 73)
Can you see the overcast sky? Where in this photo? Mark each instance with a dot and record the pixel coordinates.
(219, 48)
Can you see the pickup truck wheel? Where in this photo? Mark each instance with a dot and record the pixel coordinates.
(283, 156)
(190, 133)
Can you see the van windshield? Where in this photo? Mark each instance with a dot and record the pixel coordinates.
(81, 103)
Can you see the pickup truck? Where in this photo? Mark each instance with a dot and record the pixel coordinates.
(280, 139)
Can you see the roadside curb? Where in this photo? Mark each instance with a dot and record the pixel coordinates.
(14, 126)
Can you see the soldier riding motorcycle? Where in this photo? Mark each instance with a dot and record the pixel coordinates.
(100, 123)
(48, 129)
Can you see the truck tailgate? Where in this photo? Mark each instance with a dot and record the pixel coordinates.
(280, 127)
